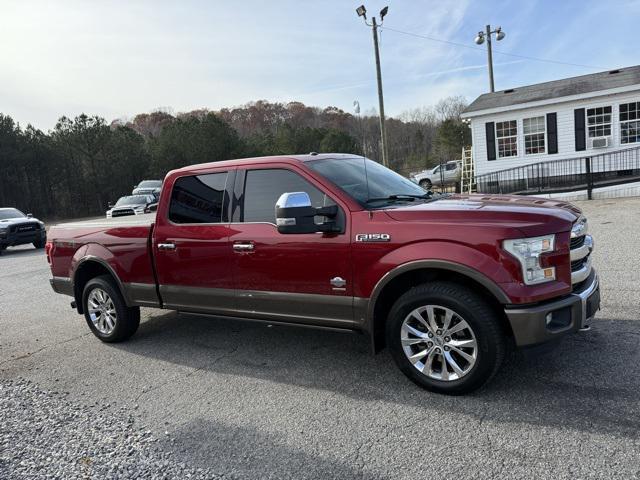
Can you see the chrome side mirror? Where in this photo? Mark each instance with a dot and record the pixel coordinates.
(294, 214)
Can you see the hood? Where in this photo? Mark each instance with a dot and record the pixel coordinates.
(130, 205)
(532, 215)
(14, 221)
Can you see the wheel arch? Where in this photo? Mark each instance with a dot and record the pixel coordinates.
(399, 280)
(90, 267)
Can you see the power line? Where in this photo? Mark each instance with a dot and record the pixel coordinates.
(449, 42)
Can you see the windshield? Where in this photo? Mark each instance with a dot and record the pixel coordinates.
(150, 184)
(349, 175)
(133, 200)
(8, 213)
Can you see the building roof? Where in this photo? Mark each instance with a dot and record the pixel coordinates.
(594, 82)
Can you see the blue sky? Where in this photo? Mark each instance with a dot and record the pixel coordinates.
(117, 58)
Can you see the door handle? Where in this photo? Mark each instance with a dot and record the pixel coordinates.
(166, 246)
(243, 247)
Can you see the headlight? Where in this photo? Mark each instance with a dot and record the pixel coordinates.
(528, 251)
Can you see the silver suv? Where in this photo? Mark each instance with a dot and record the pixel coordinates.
(445, 174)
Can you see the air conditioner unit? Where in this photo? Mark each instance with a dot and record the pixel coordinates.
(600, 142)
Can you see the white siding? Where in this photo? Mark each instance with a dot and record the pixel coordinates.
(566, 136)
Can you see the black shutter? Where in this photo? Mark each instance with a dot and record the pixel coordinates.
(581, 141)
(552, 133)
(491, 140)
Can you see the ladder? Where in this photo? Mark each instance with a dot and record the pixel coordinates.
(468, 180)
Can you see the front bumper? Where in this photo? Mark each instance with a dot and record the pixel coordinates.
(13, 239)
(548, 321)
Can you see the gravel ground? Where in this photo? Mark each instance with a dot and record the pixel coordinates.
(43, 435)
(246, 401)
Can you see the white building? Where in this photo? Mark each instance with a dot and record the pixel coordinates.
(571, 118)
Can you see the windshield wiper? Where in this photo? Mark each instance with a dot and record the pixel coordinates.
(400, 197)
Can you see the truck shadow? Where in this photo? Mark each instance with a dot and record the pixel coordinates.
(242, 452)
(589, 383)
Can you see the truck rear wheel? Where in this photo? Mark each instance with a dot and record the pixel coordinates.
(106, 312)
(445, 338)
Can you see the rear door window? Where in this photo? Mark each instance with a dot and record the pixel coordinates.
(199, 199)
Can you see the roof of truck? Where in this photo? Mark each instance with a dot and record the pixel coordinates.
(261, 160)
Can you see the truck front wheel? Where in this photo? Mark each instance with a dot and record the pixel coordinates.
(426, 184)
(445, 338)
(106, 312)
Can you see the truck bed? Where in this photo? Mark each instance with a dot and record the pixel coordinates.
(120, 244)
(145, 220)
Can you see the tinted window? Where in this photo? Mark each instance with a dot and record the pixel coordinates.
(198, 199)
(11, 213)
(150, 183)
(362, 184)
(134, 200)
(264, 187)
(452, 166)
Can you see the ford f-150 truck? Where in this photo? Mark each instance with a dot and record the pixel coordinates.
(446, 282)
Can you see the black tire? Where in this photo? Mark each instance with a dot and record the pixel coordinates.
(40, 243)
(478, 314)
(426, 184)
(127, 318)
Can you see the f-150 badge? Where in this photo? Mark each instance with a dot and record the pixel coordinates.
(373, 237)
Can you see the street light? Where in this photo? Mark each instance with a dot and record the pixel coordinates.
(480, 40)
(362, 12)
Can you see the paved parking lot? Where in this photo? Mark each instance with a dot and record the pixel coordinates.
(250, 401)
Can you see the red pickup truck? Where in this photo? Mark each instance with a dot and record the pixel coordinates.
(446, 282)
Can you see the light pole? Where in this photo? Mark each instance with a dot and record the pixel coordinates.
(480, 40)
(356, 109)
(362, 12)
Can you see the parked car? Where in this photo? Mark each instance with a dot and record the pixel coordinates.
(147, 187)
(16, 228)
(444, 281)
(448, 173)
(133, 205)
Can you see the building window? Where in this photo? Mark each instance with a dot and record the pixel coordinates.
(599, 121)
(630, 122)
(507, 136)
(534, 131)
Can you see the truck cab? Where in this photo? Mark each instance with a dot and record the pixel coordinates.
(335, 241)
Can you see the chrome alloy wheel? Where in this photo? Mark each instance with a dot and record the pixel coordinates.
(102, 311)
(439, 343)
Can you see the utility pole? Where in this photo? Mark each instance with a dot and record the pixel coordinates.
(383, 132)
(480, 40)
(362, 12)
(490, 60)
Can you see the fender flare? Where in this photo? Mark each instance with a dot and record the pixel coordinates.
(473, 274)
(103, 263)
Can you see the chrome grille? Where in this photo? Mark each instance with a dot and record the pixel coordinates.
(577, 242)
(122, 213)
(578, 264)
(581, 246)
(23, 227)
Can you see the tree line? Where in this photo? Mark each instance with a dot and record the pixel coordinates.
(83, 163)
